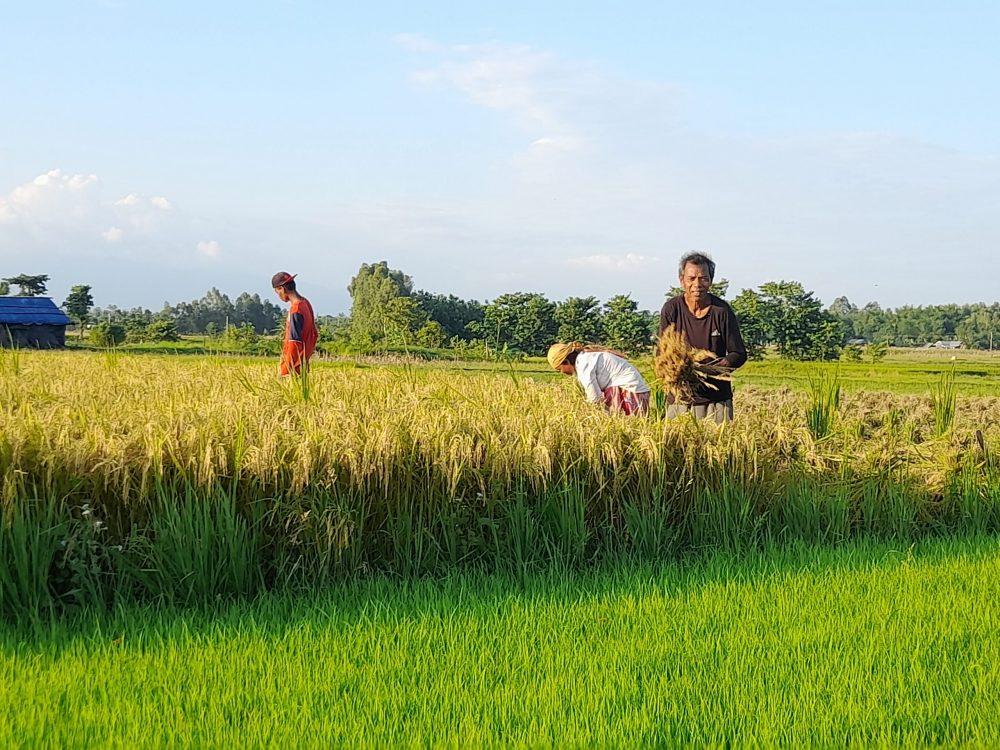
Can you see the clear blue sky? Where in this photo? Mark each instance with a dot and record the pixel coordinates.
(156, 150)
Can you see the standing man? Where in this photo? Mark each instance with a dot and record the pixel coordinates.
(300, 328)
(706, 322)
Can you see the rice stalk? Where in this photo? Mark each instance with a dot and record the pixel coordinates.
(943, 400)
(684, 370)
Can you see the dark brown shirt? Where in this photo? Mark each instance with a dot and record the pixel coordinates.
(718, 332)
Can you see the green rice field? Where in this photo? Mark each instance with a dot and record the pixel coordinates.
(866, 645)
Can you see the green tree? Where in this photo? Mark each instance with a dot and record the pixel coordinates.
(521, 321)
(842, 307)
(875, 351)
(579, 319)
(872, 323)
(981, 329)
(844, 311)
(161, 329)
(452, 313)
(402, 317)
(27, 285)
(432, 335)
(797, 323)
(752, 313)
(625, 327)
(374, 317)
(851, 353)
(242, 336)
(4, 288)
(106, 334)
(78, 305)
(263, 315)
(334, 329)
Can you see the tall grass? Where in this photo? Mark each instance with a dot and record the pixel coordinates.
(210, 480)
(824, 401)
(943, 398)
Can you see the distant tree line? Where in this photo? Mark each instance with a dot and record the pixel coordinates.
(387, 312)
(212, 315)
(780, 315)
(976, 326)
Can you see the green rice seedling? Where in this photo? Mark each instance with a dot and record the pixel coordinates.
(412, 550)
(888, 507)
(650, 530)
(813, 512)
(32, 535)
(564, 525)
(943, 399)
(726, 516)
(974, 489)
(198, 549)
(824, 403)
(518, 536)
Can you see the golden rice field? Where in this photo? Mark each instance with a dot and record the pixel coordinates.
(188, 478)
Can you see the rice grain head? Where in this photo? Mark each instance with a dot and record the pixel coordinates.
(682, 368)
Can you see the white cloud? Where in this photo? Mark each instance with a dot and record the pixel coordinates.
(132, 200)
(53, 180)
(147, 217)
(563, 143)
(129, 200)
(49, 195)
(209, 248)
(514, 79)
(563, 103)
(58, 216)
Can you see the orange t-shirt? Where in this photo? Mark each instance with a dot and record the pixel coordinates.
(300, 336)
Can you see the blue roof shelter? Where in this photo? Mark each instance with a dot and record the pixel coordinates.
(32, 322)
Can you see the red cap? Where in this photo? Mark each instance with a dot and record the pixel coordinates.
(281, 278)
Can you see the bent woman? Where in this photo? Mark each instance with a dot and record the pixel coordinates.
(606, 376)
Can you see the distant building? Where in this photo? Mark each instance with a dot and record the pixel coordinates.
(32, 323)
(856, 342)
(947, 344)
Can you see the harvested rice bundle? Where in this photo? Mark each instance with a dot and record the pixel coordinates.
(684, 370)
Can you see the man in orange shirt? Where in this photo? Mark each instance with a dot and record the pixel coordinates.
(300, 329)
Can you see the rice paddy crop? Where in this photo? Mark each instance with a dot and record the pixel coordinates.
(186, 480)
(682, 369)
(865, 645)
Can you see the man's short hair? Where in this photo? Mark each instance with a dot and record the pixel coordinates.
(698, 259)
